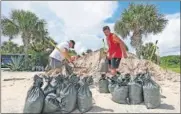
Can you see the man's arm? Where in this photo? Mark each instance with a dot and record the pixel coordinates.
(122, 45)
(66, 54)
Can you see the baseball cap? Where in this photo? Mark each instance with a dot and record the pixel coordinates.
(73, 42)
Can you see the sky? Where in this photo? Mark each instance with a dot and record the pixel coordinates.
(82, 21)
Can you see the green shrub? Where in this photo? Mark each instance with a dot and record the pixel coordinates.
(16, 63)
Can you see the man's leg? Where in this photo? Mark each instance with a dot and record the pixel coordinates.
(55, 63)
(115, 65)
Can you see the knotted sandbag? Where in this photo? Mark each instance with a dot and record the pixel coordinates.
(84, 100)
(120, 92)
(48, 85)
(112, 83)
(68, 98)
(51, 104)
(103, 84)
(61, 84)
(35, 97)
(151, 92)
(135, 90)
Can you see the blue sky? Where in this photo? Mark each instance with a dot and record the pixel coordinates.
(83, 21)
(167, 7)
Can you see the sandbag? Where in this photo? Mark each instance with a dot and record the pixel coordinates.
(51, 104)
(48, 85)
(151, 92)
(66, 69)
(68, 98)
(120, 94)
(61, 84)
(89, 80)
(74, 79)
(135, 90)
(35, 97)
(112, 83)
(104, 66)
(103, 84)
(84, 97)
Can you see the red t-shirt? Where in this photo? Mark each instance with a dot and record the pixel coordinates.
(114, 48)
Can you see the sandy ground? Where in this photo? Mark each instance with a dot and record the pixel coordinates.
(14, 93)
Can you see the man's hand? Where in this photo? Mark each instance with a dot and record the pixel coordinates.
(70, 60)
(125, 55)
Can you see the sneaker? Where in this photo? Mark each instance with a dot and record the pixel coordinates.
(118, 73)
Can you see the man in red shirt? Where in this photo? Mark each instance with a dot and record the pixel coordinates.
(116, 50)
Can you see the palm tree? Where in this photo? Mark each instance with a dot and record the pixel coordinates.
(24, 23)
(141, 20)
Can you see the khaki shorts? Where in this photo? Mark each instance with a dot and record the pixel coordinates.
(54, 63)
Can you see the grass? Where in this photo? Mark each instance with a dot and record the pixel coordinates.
(177, 70)
(174, 69)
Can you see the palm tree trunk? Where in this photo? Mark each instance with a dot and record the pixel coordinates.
(26, 54)
(25, 41)
(136, 42)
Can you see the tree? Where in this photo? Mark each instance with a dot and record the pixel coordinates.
(147, 50)
(141, 20)
(10, 48)
(89, 51)
(24, 23)
(42, 44)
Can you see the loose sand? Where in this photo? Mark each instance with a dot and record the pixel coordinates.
(13, 94)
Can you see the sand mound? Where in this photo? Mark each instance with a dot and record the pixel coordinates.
(130, 65)
(89, 65)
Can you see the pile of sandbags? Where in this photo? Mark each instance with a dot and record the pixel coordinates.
(59, 94)
(126, 89)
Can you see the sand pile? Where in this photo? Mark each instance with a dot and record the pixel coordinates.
(130, 65)
(89, 65)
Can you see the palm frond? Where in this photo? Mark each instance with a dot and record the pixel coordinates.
(9, 28)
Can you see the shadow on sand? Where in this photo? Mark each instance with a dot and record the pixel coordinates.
(100, 109)
(166, 107)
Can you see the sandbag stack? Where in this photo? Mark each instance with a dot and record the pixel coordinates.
(129, 89)
(59, 94)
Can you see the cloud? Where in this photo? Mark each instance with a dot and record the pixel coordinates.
(169, 39)
(82, 21)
